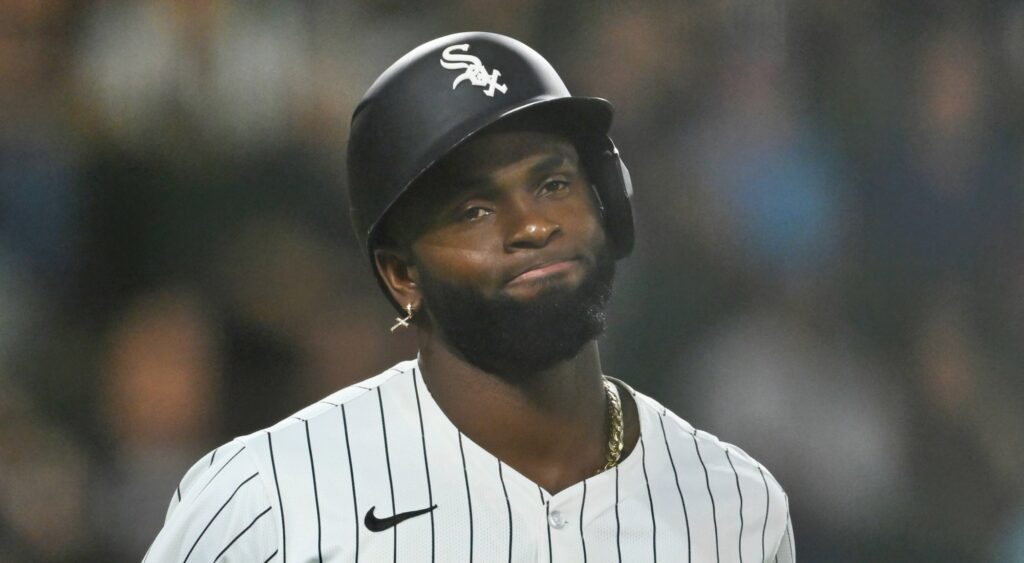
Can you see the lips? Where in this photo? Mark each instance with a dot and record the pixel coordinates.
(544, 270)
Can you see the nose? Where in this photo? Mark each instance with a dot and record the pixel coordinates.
(530, 228)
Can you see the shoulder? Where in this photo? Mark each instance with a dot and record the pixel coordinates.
(727, 472)
(287, 447)
(222, 504)
(714, 452)
(329, 406)
(237, 493)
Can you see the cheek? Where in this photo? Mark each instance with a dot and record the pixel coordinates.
(461, 262)
(585, 218)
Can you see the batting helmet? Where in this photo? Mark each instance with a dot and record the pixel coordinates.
(442, 93)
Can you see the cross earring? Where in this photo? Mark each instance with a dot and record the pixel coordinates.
(404, 322)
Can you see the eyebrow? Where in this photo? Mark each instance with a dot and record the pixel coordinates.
(483, 185)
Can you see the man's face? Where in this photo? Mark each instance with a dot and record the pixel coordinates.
(512, 262)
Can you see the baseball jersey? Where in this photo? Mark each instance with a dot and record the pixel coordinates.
(377, 472)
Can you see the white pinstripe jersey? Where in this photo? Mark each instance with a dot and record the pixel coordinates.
(301, 490)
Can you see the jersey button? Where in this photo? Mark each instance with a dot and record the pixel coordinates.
(556, 520)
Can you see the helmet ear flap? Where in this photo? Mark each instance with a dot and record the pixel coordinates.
(614, 188)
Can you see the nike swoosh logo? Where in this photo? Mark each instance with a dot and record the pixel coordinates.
(375, 524)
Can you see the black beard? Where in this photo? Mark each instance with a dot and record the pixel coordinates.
(508, 337)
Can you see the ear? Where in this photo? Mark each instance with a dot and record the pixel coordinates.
(399, 275)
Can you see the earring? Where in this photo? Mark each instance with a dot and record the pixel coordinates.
(404, 322)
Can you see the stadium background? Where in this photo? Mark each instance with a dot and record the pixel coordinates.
(829, 268)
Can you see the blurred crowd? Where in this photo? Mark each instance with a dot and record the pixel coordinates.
(829, 272)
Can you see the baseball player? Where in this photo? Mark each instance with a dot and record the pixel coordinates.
(493, 207)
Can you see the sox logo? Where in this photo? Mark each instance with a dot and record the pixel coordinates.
(475, 71)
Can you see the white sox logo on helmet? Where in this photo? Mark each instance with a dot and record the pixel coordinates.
(475, 71)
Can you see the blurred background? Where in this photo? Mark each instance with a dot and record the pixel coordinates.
(829, 269)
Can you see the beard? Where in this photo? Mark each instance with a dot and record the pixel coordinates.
(508, 337)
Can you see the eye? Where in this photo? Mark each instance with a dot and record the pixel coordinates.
(473, 213)
(554, 186)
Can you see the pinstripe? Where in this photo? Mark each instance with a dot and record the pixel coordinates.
(707, 479)
(271, 556)
(230, 459)
(740, 492)
(583, 539)
(221, 509)
(352, 479)
(212, 456)
(316, 496)
(426, 467)
(618, 528)
(240, 534)
(650, 499)
(508, 504)
(391, 483)
(547, 511)
(469, 498)
(686, 516)
(767, 505)
(277, 485)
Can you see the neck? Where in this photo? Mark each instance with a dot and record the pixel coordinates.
(550, 425)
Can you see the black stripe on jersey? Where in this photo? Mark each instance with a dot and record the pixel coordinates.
(686, 516)
(212, 456)
(707, 480)
(391, 483)
(540, 492)
(330, 403)
(740, 491)
(767, 505)
(221, 509)
(230, 459)
(178, 490)
(426, 464)
(352, 479)
(240, 534)
(508, 504)
(469, 498)
(273, 465)
(547, 511)
(650, 499)
(316, 496)
(583, 540)
(618, 529)
(271, 556)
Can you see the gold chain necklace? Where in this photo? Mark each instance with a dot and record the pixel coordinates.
(615, 430)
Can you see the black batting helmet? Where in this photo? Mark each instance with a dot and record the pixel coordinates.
(442, 93)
